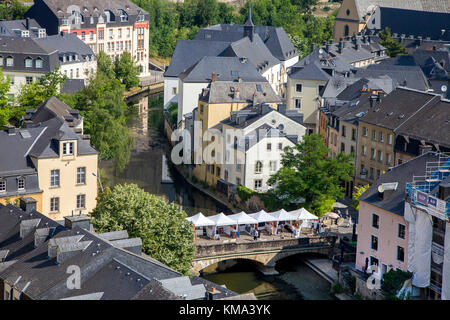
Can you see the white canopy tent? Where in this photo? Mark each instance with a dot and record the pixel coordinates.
(222, 220)
(199, 220)
(242, 218)
(281, 215)
(304, 214)
(262, 216)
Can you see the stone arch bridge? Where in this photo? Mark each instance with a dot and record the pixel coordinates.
(264, 253)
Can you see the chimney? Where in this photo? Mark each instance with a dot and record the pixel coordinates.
(28, 226)
(10, 129)
(27, 204)
(282, 108)
(40, 235)
(213, 78)
(254, 98)
(240, 118)
(341, 45)
(81, 221)
(372, 100)
(313, 47)
(419, 40)
(134, 244)
(66, 250)
(265, 108)
(27, 23)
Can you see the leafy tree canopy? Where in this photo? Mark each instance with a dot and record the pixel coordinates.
(12, 10)
(308, 172)
(166, 234)
(6, 110)
(126, 70)
(393, 47)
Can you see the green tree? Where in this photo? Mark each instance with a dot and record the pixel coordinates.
(357, 193)
(12, 10)
(309, 172)
(105, 65)
(393, 47)
(126, 70)
(166, 234)
(31, 95)
(104, 109)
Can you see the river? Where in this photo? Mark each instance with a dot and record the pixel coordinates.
(295, 281)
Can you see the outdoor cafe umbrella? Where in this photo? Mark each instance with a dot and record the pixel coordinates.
(331, 215)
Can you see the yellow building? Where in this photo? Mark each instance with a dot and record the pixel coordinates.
(49, 162)
(216, 103)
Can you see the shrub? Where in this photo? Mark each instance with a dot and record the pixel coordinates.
(336, 288)
(244, 193)
(393, 282)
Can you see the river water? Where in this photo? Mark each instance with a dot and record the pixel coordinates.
(295, 281)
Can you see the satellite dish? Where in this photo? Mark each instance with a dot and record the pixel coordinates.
(320, 50)
(444, 88)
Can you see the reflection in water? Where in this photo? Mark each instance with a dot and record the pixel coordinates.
(295, 281)
(145, 167)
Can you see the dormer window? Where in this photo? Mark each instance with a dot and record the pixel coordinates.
(2, 185)
(9, 61)
(39, 63)
(28, 63)
(123, 16)
(140, 17)
(21, 184)
(25, 34)
(64, 21)
(68, 148)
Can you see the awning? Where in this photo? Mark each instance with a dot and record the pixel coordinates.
(243, 218)
(199, 220)
(281, 215)
(262, 216)
(222, 220)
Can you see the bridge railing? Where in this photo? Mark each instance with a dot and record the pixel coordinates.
(215, 249)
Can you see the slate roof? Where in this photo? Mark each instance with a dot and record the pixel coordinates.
(9, 26)
(275, 38)
(59, 7)
(67, 43)
(51, 108)
(363, 6)
(108, 272)
(430, 24)
(189, 52)
(406, 76)
(403, 173)
(225, 69)
(224, 91)
(73, 85)
(254, 50)
(349, 53)
(23, 45)
(16, 160)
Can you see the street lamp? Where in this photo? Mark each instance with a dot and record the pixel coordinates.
(101, 187)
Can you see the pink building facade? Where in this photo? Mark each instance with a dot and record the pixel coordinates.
(382, 239)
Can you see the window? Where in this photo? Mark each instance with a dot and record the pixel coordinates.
(388, 158)
(128, 32)
(374, 243)
(81, 175)
(258, 183)
(401, 231)
(39, 63)
(372, 154)
(68, 148)
(346, 30)
(54, 178)
(378, 173)
(101, 34)
(389, 139)
(81, 201)
(9, 62)
(78, 72)
(352, 150)
(273, 165)
(371, 173)
(343, 131)
(238, 167)
(364, 150)
(2, 185)
(83, 35)
(280, 146)
(375, 221)
(364, 131)
(218, 172)
(269, 147)
(343, 147)
(374, 135)
(29, 80)
(238, 181)
(91, 35)
(111, 36)
(380, 156)
(54, 204)
(21, 184)
(140, 17)
(353, 134)
(298, 103)
(226, 175)
(174, 91)
(381, 136)
(119, 33)
(258, 167)
(298, 87)
(400, 254)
